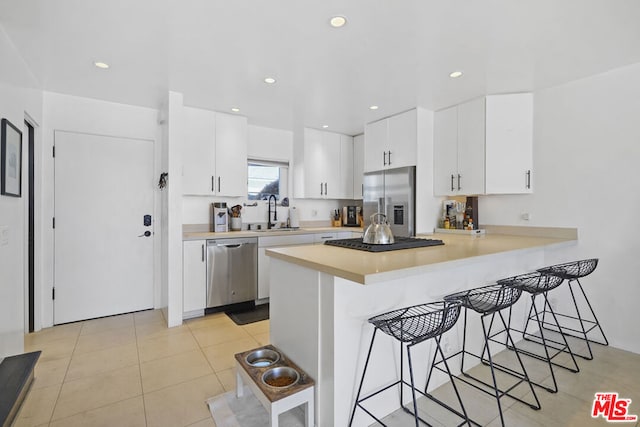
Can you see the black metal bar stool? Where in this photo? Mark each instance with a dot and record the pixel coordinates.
(539, 284)
(573, 272)
(411, 326)
(488, 301)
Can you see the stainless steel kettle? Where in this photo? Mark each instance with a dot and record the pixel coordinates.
(378, 232)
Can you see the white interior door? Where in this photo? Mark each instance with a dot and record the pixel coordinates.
(104, 187)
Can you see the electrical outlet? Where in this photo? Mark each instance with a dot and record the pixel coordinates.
(526, 216)
(4, 235)
(446, 346)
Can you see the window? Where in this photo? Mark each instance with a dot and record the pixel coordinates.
(266, 178)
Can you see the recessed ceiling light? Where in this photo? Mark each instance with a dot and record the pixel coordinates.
(338, 21)
(325, 126)
(235, 110)
(269, 80)
(102, 65)
(373, 107)
(455, 74)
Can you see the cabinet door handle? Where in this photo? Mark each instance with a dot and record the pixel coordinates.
(459, 188)
(325, 189)
(384, 158)
(528, 182)
(452, 178)
(321, 191)
(203, 252)
(389, 157)
(213, 187)
(218, 184)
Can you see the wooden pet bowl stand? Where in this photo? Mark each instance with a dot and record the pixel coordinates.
(276, 400)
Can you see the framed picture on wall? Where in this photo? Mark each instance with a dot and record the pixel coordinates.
(11, 157)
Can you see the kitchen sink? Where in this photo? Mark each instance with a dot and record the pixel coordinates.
(267, 230)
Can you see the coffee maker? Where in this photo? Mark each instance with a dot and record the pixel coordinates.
(219, 217)
(350, 216)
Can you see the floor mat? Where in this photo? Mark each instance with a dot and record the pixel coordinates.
(260, 312)
(228, 410)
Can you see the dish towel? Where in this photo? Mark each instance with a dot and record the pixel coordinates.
(228, 410)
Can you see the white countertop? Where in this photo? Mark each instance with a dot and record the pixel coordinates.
(199, 235)
(367, 268)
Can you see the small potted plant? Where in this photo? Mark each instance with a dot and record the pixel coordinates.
(236, 220)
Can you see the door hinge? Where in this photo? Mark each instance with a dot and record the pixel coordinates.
(53, 221)
(53, 293)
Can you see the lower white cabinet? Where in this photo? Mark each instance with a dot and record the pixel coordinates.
(194, 277)
(331, 235)
(264, 260)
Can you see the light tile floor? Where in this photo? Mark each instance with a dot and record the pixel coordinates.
(131, 370)
(611, 370)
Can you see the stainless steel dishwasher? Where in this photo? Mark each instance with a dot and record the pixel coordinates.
(232, 271)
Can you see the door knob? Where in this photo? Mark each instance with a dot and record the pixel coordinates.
(145, 234)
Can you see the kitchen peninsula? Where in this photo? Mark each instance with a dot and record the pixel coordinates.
(322, 296)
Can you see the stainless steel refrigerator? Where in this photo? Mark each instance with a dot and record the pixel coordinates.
(393, 193)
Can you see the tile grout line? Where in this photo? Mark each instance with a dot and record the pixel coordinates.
(144, 406)
(65, 374)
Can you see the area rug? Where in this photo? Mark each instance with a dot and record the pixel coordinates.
(260, 312)
(228, 410)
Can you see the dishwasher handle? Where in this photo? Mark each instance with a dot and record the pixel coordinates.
(232, 243)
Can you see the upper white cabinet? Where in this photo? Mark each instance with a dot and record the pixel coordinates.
(214, 153)
(509, 145)
(358, 165)
(391, 142)
(345, 185)
(484, 146)
(328, 165)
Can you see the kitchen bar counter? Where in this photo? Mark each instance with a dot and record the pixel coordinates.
(367, 268)
(319, 306)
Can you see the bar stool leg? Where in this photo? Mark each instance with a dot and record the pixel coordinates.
(582, 321)
(413, 388)
(366, 364)
(443, 359)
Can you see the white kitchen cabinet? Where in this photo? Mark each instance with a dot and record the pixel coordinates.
(484, 146)
(345, 183)
(214, 153)
(509, 144)
(231, 155)
(358, 165)
(459, 149)
(391, 142)
(264, 261)
(194, 278)
(471, 165)
(319, 238)
(445, 151)
(323, 172)
(198, 151)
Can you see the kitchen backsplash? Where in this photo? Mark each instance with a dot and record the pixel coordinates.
(197, 210)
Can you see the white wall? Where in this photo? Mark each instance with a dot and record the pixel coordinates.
(70, 113)
(586, 159)
(16, 100)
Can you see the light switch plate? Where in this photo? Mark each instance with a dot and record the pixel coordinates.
(4, 235)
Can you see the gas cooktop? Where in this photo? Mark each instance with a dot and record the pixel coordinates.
(400, 243)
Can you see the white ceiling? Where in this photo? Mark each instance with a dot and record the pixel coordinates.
(393, 53)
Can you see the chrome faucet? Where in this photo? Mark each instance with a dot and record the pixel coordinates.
(275, 212)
